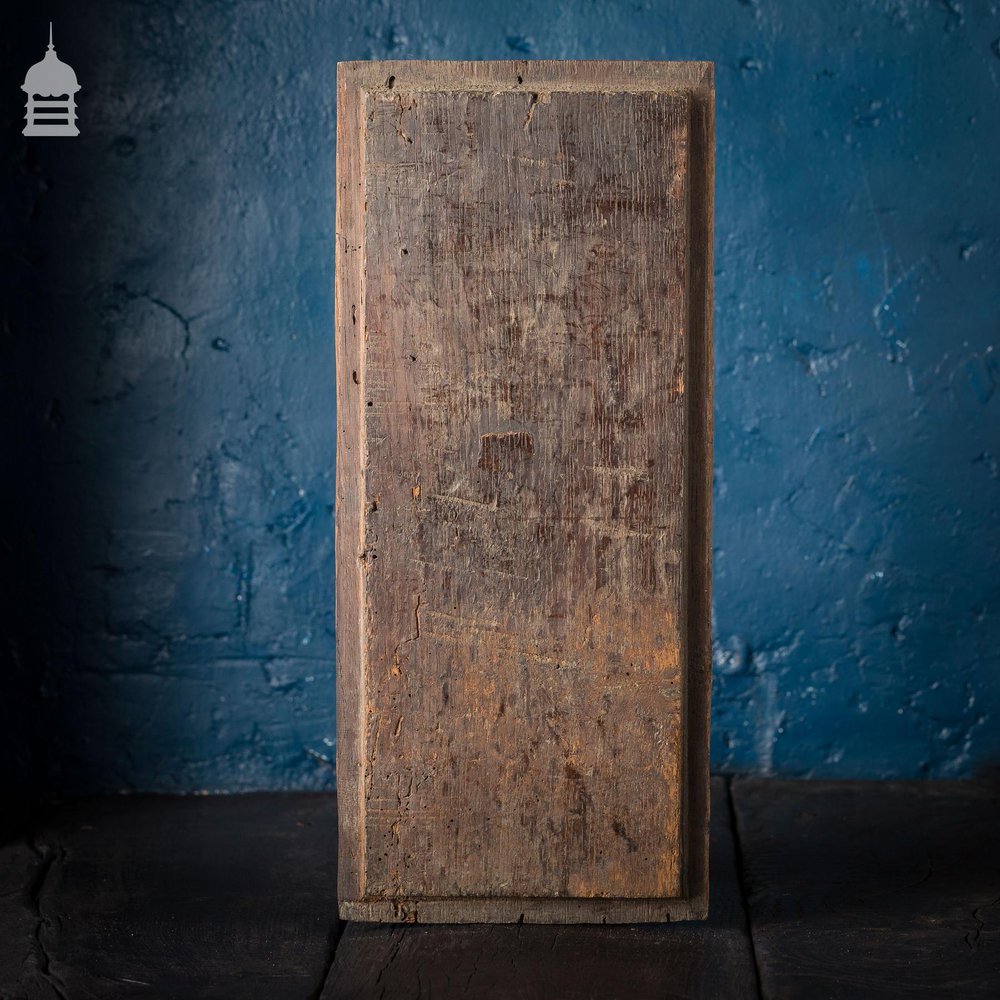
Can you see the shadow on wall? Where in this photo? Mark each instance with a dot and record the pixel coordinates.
(169, 403)
(168, 391)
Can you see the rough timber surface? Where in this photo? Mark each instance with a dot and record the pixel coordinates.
(163, 896)
(855, 890)
(523, 468)
(710, 958)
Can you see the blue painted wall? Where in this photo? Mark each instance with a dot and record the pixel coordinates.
(166, 373)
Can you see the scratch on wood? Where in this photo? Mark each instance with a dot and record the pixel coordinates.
(396, 656)
(531, 111)
(450, 498)
(536, 99)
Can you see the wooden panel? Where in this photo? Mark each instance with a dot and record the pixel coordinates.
(524, 406)
(708, 959)
(872, 889)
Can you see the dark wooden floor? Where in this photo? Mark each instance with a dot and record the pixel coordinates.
(819, 889)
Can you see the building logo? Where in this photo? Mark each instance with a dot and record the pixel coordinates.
(51, 87)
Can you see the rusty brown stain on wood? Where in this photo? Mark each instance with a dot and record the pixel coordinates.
(500, 451)
(524, 389)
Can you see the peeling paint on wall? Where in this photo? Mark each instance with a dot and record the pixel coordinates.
(166, 356)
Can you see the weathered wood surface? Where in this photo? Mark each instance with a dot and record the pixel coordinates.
(22, 961)
(173, 897)
(855, 890)
(866, 889)
(710, 959)
(524, 403)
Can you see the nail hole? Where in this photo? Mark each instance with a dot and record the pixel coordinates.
(391, 82)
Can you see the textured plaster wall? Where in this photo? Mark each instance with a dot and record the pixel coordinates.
(166, 379)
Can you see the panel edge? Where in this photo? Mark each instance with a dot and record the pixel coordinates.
(348, 530)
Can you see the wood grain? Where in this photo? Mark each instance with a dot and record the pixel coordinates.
(856, 889)
(872, 889)
(524, 399)
(711, 958)
(22, 959)
(161, 896)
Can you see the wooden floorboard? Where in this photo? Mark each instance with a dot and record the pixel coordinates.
(709, 959)
(177, 897)
(855, 890)
(22, 870)
(864, 889)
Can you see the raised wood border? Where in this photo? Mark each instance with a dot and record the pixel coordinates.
(354, 81)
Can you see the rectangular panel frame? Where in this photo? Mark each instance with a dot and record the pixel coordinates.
(356, 80)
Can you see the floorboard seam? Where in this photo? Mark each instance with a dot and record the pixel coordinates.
(741, 876)
(47, 857)
(331, 955)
